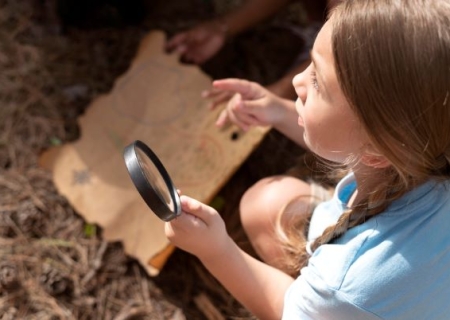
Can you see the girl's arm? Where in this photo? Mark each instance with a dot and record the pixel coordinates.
(201, 231)
(256, 285)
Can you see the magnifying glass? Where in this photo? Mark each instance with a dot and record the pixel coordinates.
(152, 180)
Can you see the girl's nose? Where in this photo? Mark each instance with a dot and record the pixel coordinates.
(299, 84)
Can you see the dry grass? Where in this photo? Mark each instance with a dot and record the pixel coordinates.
(52, 264)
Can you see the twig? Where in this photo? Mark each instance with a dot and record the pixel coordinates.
(129, 311)
(207, 308)
(96, 263)
(143, 285)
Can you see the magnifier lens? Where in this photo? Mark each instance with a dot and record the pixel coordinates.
(154, 178)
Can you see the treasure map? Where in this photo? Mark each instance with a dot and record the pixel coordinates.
(158, 102)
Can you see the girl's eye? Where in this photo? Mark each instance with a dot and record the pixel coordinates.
(314, 81)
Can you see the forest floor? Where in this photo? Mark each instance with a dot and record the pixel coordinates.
(53, 265)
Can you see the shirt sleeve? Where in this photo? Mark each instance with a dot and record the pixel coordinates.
(309, 298)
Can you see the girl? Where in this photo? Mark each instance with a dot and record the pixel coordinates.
(375, 99)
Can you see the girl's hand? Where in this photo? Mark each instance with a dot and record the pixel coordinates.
(199, 230)
(251, 104)
(216, 97)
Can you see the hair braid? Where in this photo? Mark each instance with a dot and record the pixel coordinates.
(374, 204)
(334, 231)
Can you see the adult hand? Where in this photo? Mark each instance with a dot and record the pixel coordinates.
(199, 229)
(200, 43)
(250, 105)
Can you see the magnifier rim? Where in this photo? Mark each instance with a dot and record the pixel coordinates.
(137, 174)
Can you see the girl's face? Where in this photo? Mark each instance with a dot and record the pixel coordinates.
(331, 129)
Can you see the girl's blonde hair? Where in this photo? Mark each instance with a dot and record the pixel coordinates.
(392, 59)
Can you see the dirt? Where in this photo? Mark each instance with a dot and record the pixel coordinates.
(53, 265)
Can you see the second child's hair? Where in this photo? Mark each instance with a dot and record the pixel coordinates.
(392, 59)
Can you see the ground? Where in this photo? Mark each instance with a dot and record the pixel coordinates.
(52, 264)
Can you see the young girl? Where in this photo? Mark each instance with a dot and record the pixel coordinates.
(376, 100)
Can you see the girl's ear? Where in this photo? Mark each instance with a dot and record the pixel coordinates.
(372, 158)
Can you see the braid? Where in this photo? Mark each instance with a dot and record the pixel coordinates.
(334, 231)
(373, 205)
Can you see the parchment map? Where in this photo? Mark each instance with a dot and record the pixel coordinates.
(157, 101)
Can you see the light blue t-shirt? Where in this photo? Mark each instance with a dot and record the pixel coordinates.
(394, 266)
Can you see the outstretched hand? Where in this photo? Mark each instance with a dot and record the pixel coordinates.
(200, 43)
(250, 105)
(199, 229)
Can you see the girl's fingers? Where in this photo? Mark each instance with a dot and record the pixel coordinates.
(216, 96)
(231, 84)
(236, 113)
(197, 209)
(249, 90)
(222, 120)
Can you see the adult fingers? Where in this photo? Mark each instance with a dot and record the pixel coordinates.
(195, 53)
(176, 41)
